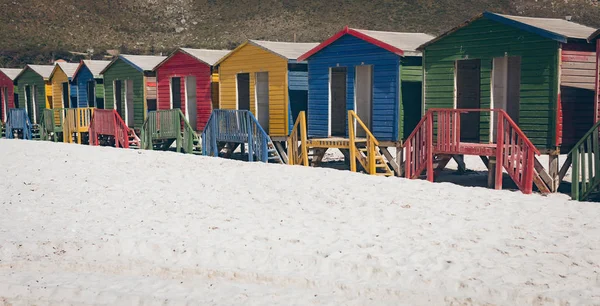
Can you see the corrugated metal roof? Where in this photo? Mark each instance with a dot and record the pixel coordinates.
(208, 56)
(289, 50)
(95, 66)
(143, 62)
(559, 26)
(68, 68)
(11, 73)
(407, 42)
(42, 70)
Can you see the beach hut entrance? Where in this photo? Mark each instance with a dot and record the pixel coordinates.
(65, 94)
(364, 97)
(30, 102)
(91, 93)
(506, 86)
(129, 102)
(190, 101)
(176, 93)
(468, 82)
(262, 99)
(243, 91)
(337, 101)
(119, 98)
(4, 104)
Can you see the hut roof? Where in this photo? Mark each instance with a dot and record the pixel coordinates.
(68, 68)
(11, 73)
(94, 66)
(287, 50)
(43, 70)
(210, 57)
(142, 62)
(396, 42)
(553, 28)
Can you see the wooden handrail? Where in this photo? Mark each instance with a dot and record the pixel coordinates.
(353, 115)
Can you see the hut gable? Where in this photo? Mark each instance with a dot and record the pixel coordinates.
(11, 73)
(396, 42)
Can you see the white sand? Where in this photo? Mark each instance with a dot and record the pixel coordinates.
(86, 225)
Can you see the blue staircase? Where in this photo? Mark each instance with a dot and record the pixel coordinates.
(238, 127)
(17, 120)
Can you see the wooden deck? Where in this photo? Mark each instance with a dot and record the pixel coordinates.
(332, 142)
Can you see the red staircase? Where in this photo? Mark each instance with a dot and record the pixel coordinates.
(438, 134)
(107, 122)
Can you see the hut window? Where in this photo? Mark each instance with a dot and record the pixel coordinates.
(243, 91)
(262, 99)
(337, 101)
(191, 100)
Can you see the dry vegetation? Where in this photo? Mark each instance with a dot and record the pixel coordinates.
(40, 30)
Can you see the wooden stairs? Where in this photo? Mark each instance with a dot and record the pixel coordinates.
(108, 128)
(162, 128)
(229, 129)
(302, 151)
(438, 134)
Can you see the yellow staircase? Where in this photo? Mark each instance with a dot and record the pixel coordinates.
(366, 150)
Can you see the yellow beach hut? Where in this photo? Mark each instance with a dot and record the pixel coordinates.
(265, 78)
(64, 93)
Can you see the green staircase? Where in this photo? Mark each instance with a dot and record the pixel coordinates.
(163, 128)
(584, 159)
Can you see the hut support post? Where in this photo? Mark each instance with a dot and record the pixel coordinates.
(553, 170)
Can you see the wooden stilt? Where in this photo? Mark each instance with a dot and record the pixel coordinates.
(492, 172)
(390, 160)
(400, 158)
(553, 171)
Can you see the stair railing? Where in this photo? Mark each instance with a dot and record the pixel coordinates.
(168, 124)
(17, 119)
(238, 126)
(298, 155)
(372, 143)
(418, 146)
(515, 153)
(108, 122)
(585, 159)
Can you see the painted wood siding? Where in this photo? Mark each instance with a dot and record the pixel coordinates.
(30, 78)
(349, 51)
(57, 81)
(297, 91)
(485, 39)
(183, 65)
(251, 59)
(6, 84)
(122, 71)
(577, 87)
(411, 87)
(81, 80)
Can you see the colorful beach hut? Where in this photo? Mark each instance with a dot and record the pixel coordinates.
(187, 80)
(541, 71)
(7, 90)
(266, 78)
(34, 90)
(90, 83)
(64, 90)
(130, 87)
(377, 74)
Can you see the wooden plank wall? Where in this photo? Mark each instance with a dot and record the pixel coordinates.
(575, 113)
(486, 39)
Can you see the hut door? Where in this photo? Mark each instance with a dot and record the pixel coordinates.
(364, 97)
(33, 115)
(468, 76)
(176, 93)
(65, 95)
(27, 98)
(337, 96)
(91, 93)
(191, 106)
(4, 104)
(243, 91)
(262, 99)
(119, 98)
(506, 86)
(129, 102)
